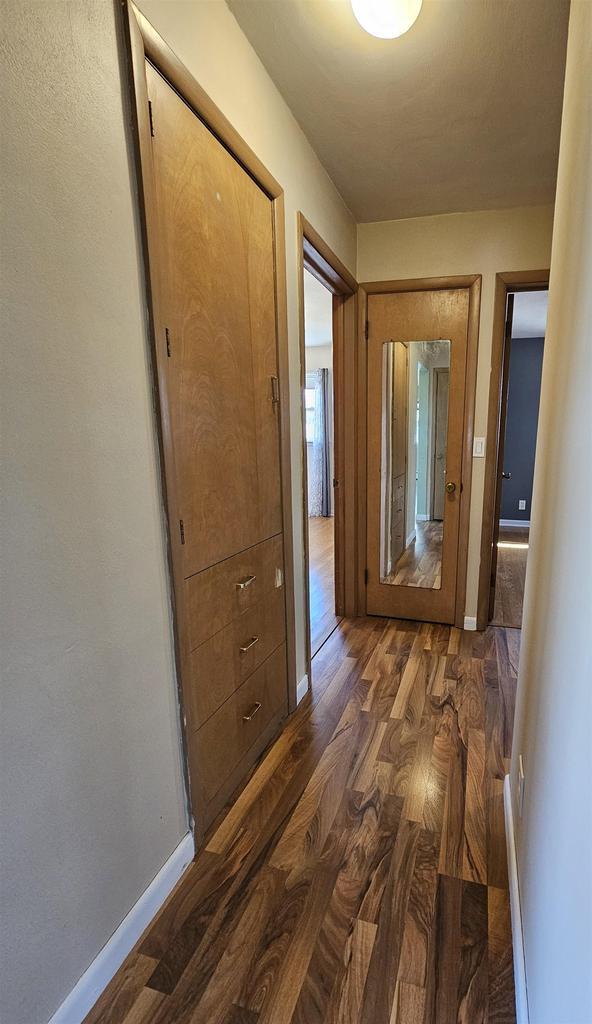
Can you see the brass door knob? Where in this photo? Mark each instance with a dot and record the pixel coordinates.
(450, 487)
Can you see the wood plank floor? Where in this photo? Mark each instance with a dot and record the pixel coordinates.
(420, 565)
(321, 543)
(510, 577)
(361, 877)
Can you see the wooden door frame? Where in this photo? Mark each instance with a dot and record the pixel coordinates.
(511, 281)
(473, 283)
(315, 256)
(144, 43)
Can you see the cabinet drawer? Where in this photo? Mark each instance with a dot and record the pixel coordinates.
(218, 748)
(216, 596)
(218, 666)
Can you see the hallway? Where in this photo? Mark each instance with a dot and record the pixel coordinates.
(361, 875)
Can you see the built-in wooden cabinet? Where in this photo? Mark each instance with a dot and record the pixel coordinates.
(219, 389)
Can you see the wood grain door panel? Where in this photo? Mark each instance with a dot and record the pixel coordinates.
(432, 315)
(218, 300)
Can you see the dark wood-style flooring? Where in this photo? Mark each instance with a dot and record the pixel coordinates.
(321, 554)
(420, 565)
(361, 876)
(510, 576)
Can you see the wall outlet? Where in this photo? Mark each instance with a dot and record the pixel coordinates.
(521, 781)
(522, 505)
(479, 447)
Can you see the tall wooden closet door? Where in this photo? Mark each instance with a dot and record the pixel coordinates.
(218, 298)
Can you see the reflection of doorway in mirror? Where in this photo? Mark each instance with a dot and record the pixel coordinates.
(413, 463)
(441, 378)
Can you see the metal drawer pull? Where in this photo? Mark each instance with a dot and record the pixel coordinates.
(256, 707)
(254, 640)
(243, 584)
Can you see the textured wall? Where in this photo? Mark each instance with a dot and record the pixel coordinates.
(554, 708)
(93, 800)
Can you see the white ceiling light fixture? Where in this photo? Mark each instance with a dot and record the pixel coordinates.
(386, 19)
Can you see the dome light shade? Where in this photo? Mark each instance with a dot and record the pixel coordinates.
(386, 19)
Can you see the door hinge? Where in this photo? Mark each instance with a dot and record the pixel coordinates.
(335, 482)
(366, 329)
(182, 530)
(151, 116)
(168, 342)
(366, 575)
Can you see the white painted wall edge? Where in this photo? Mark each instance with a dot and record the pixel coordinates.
(97, 976)
(517, 940)
(470, 622)
(302, 689)
(514, 522)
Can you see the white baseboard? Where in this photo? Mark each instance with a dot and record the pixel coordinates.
(410, 538)
(302, 689)
(422, 519)
(96, 978)
(515, 522)
(517, 940)
(470, 622)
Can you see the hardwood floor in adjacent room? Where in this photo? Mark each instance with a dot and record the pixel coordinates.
(510, 576)
(360, 878)
(321, 543)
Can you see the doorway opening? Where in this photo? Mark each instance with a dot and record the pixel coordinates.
(522, 361)
(319, 404)
(328, 360)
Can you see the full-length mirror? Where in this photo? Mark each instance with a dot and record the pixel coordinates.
(415, 381)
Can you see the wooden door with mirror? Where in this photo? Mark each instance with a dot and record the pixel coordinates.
(417, 368)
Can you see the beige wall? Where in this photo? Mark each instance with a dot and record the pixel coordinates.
(319, 357)
(207, 38)
(93, 799)
(91, 781)
(554, 708)
(461, 243)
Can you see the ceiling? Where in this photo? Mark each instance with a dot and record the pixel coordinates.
(460, 113)
(318, 313)
(530, 314)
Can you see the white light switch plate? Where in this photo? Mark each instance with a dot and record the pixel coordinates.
(479, 447)
(522, 505)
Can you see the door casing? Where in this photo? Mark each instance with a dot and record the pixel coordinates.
(473, 284)
(510, 281)
(315, 256)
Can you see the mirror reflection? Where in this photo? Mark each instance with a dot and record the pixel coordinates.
(415, 379)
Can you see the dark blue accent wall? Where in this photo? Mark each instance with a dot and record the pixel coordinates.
(526, 360)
